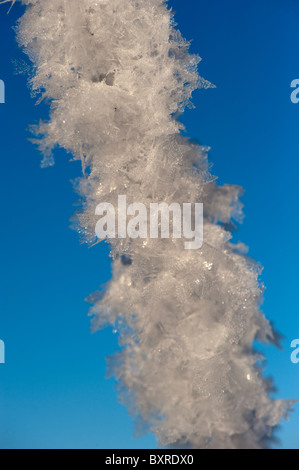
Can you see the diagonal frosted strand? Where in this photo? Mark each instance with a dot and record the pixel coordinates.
(117, 74)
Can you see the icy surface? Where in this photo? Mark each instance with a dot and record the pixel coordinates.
(116, 74)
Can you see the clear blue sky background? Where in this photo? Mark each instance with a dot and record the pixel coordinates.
(53, 391)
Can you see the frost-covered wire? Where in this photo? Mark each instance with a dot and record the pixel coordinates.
(117, 74)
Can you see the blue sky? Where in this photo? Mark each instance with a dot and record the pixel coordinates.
(53, 390)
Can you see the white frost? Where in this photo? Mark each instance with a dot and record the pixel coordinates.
(117, 73)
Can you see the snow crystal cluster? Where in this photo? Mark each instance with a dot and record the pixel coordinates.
(117, 74)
